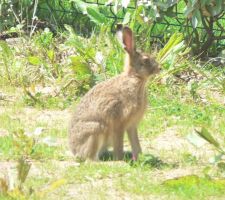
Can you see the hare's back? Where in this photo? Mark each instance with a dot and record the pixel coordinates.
(111, 98)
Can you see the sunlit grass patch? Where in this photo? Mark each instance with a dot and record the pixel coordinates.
(189, 187)
(86, 172)
(10, 122)
(6, 151)
(39, 152)
(194, 187)
(168, 107)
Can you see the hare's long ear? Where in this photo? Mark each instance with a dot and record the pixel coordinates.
(125, 37)
(128, 40)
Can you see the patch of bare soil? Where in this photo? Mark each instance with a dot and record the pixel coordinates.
(171, 140)
(3, 132)
(172, 144)
(163, 175)
(6, 164)
(2, 109)
(50, 116)
(213, 95)
(103, 189)
(55, 118)
(10, 167)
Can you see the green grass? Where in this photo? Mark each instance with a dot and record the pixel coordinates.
(93, 172)
(167, 105)
(193, 187)
(168, 108)
(190, 187)
(40, 152)
(172, 110)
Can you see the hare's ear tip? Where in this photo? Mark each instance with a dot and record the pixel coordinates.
(119, 27)
(126, 28)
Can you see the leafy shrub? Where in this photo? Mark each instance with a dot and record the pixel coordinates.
(201, 21)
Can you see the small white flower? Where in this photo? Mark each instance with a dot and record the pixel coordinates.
(29, 134)
(99, 57)
(146, 19)
(149, 3)
(157, 15)
(47, 30)
(125, 3)
(108, 2)
(49, 141)
(38, 131)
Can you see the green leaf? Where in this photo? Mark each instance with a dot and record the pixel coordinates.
(115, 7)
(188, 10)
(5, 50)
(221, 166)
(69, 29)
(127, 18)
(79, 66)
(193, 2)
(170, 46)
(91, 11)
(205, 134)
(96, 16)
(217, 8)
(26, 3)
(34, 60)
(161, 6)
(205, 2)
(170, 12)
(23, 169)
(216, 158)
(195, 139)
(80, 5)
(136, 16)
(196, 18)
(52, 187)
(183, 180)
(51, 54)
(194, 21)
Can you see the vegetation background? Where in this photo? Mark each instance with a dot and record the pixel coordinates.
(53, 52)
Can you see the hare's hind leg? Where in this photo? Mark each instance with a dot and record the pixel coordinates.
(134, 141)
(93, 146)
(86, 139)
(89, 150)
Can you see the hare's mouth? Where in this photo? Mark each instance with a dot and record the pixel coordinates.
(157, 70)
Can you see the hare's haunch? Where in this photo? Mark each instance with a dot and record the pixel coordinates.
(113, 107)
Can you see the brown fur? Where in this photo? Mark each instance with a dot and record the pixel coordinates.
(113, 107)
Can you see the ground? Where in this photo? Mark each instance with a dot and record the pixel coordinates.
(168, 154)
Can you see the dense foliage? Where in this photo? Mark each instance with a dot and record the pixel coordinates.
(201, 21)
(53, 52)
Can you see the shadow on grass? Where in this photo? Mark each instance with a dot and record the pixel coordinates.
(144, 160)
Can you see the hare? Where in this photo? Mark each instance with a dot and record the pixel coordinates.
(112, 107)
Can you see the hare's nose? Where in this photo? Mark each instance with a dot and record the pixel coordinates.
(160, 67)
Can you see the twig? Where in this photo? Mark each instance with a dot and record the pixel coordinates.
(31, 96)
(33, 27)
